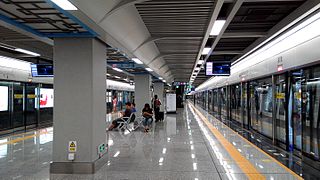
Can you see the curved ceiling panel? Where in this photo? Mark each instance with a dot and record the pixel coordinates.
(126, 26)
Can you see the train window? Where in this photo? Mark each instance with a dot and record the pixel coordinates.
(280, 105)
(261, 106)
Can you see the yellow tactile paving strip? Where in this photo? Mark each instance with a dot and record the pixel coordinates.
(25, 138)
(250, 171)
(246, 167)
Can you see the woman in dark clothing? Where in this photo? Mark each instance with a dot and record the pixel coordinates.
(147, 113)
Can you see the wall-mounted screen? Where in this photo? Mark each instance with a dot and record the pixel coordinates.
(218, 68)
(42, 70)
(4, 95)
(46, 98)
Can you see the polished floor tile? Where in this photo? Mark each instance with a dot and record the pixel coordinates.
(180, 147)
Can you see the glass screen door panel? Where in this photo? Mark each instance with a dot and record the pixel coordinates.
(18, 102)
(30, 104)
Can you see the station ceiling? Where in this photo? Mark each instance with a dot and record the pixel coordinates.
(179, 28)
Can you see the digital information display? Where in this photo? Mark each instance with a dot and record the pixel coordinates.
(42, 70)
(46, 98)
(218, 69)
(4, 98)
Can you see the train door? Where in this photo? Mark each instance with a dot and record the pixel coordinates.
(281, 110)
(311, 113)
(5, 105)
(30, 105)
(261, 106)
(295, 111)
(235, 103)
(17, 115)
(244, 104)
(215, 103)
(223, 104)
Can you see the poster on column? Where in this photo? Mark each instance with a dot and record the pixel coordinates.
(4, 95)
(46, 98)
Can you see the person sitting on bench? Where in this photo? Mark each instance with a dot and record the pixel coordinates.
(126, 114)
(147, 113)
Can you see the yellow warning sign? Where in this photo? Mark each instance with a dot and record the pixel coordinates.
(280, 95)
(18, 96)
(31, 96)
(72, 146)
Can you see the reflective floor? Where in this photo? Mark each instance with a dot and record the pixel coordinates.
(188, 145)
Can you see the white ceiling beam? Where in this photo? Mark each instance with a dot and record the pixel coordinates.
(233, 12)
(214, 16)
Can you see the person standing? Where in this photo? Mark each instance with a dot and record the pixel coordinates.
(114, 103)
(156, 106)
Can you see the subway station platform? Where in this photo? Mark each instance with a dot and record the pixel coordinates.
(191, 144)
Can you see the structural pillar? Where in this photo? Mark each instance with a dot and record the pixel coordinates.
(159, 90)
(142, 90)
(79, 105)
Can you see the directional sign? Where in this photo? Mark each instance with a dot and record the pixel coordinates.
(72, 146)
(101, 148)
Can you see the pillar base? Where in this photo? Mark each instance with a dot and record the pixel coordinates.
(77, 167)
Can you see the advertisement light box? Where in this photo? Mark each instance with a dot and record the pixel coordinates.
(218, 68)
(46, 98)
(4, 98)
(42, 70)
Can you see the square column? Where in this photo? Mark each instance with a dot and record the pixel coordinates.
(142, 91)
(159, 90)
(79, 105)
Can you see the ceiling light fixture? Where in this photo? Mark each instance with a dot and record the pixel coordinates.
(26, 52)
(164, 81)
(200, 62)
(160, 78)
(148, 69)
(205, 51)
(65, 5)
(117, 69)
(217, 26)
(117, 77)
(136, 60)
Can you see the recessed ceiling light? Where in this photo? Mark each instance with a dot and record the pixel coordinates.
(205, 51)
(160, 78)
(117, 77)
(217, 26)
(117, 69)
(148, 69)
(27, 52)
(136, 60)
(164, 81)
(65, 4)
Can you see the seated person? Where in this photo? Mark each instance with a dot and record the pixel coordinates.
(147, 113)
(126, 114)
